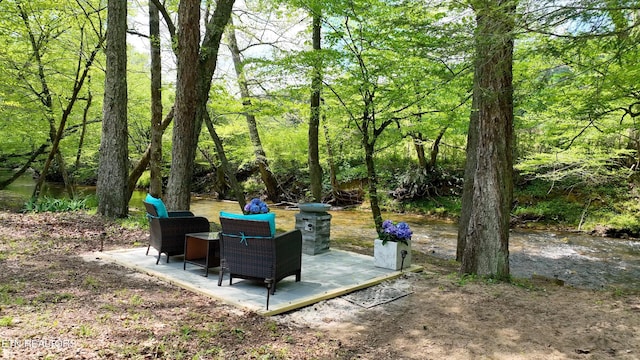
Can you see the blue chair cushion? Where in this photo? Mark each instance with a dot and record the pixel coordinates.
(270, 217)
(159, 205)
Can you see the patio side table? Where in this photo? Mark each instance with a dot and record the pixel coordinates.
(202, 249)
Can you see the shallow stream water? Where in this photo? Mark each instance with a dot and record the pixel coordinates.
(577, 259)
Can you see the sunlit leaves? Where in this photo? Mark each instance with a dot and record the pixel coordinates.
(587, 166)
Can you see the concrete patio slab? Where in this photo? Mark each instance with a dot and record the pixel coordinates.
(324, 276)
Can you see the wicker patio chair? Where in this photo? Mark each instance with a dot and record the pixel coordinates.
(248, 251)
(167, 234)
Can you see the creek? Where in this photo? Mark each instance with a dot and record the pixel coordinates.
(578, 259)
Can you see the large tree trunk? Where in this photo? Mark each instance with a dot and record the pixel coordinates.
(184, 129)
(268, 179)
(315, 170)
(112, 187)
(467, 186)
(205, 67)
(483, 240)
(155, 163)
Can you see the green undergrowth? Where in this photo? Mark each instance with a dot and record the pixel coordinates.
(541, 203)
(136, 220)
(441, 207)
(48, 204)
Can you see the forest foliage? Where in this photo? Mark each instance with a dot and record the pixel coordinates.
(396, 72)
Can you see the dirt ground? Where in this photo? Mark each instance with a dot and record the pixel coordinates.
(54, 305)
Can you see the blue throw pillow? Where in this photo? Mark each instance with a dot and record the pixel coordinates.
(159, 205)
(270, 217)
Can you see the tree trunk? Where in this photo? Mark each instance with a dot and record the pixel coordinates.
(112, 187)
(483, 238)
(141, 166)
(46, 99)
(155, 163)
(268, 179)
(315, 170)
(467, 186)
(435, 149)
(333, 173)
(66, 178)
(418, 143)
(209, 57)
(184, 129)
(373, 184)
(53, 133)
(205, 67)
(83, 131)
(225, 165)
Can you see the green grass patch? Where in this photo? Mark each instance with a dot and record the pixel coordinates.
(135, 220)
(52, 298)
(351, 243)
(8, 295)
(6, 321)
(136, 300)
(556, 210)
(578, 205)
(444, 207)
(267, 352)
(48, 204)
(90, 282)
(84, 331)
(239, 333)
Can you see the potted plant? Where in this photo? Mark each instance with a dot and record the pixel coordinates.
(257, 210)
(392, 250)
(256, 206)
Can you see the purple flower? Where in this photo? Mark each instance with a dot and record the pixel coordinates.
(403, 231)
(256, 206)
(390, 229)
(395, 232)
